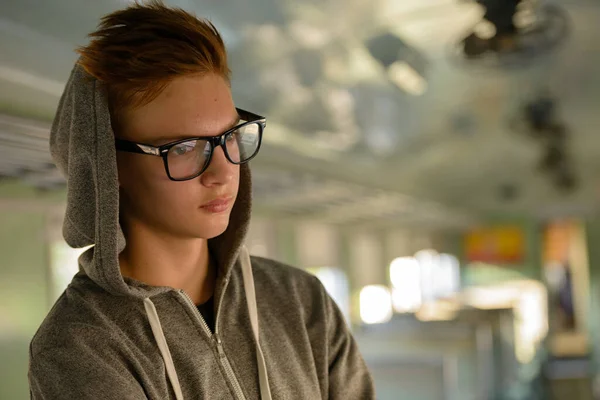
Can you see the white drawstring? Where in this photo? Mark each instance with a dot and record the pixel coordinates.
(263, 378)
(159, 336)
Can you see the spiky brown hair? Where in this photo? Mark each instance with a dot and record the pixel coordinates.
(137, 51)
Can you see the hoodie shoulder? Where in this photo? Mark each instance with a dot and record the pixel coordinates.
(59, 325)
(284, 282)
(79, 351)
(82, 314)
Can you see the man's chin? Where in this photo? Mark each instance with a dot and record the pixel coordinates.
(210, 232)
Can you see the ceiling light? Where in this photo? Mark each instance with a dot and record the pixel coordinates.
(524, 18)
(407, 78)
(485, 30)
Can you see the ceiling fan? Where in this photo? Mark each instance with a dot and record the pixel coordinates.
(512, 32)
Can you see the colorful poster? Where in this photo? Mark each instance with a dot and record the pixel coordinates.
(501, 244)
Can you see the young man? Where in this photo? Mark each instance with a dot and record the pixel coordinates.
(167, 303)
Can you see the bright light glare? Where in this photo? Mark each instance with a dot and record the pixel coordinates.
(428, 261)
(531, 321)
(485, 30)
(405, 275)
(407, 78)
(406, 301)
(438, 311)
(491, 298)
(375, 304)
(446, 280)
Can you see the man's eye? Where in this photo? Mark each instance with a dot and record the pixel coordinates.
(182, 149)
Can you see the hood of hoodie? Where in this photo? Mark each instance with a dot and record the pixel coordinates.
(83, 147)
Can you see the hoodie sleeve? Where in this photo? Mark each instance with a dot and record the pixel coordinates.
(349, 377)
(81, 370)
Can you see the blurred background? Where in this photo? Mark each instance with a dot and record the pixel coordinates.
(433, 162)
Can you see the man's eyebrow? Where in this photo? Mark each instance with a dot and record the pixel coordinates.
(175, 137)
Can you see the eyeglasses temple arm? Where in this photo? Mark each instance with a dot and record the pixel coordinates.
(131, 147)
(248, 116)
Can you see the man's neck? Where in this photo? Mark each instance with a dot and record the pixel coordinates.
(162, 260)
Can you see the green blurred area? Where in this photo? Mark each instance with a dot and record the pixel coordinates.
(24, 280)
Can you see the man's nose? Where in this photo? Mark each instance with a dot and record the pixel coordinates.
(220, 171)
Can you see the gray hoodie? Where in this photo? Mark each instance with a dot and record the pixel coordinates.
(110, 337)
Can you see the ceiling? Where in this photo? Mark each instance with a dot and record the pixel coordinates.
(344, 143)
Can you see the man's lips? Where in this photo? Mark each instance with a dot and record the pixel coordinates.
(217, 205)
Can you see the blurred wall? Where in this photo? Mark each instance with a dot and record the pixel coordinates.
(593, 238)
(25, 283)
(24, 277)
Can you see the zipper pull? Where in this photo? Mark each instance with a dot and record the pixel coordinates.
(219, 345)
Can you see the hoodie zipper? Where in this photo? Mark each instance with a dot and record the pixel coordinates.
(222, 356)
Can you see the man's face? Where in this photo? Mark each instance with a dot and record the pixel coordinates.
(190, 106)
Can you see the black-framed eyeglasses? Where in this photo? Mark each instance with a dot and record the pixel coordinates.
(188, 158)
